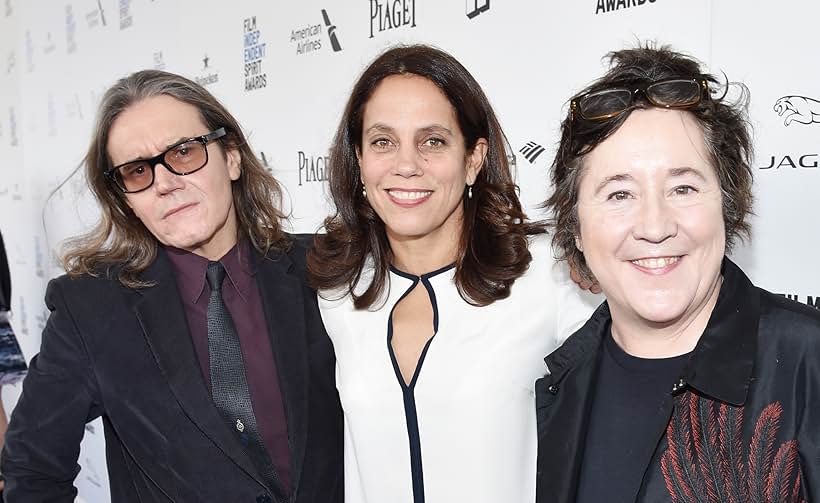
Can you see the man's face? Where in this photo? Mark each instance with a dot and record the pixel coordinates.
(193, 212)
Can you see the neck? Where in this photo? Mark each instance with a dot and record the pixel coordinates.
(425, 254)
(646, 339)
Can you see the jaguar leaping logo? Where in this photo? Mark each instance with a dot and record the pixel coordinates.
(798, 109)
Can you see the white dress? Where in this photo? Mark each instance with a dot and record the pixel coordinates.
(464, 430)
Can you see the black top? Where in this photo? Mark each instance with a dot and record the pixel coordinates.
(744, 413)
(628, 402)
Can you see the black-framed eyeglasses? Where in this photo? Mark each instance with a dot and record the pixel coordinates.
(608, 103)
(182, 158)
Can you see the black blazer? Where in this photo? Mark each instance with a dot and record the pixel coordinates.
(126, 355)
(744, 411)
(5, 278)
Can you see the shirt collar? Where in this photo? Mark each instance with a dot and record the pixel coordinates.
(190, 269)
(723, 359)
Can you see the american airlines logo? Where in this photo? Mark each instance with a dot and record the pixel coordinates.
(531, 151)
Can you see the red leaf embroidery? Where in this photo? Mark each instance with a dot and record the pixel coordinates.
(705, 459)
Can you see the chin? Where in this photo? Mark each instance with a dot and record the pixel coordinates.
(409, 231)
(661, 312)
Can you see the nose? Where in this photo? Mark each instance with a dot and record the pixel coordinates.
(164, 180)
(656, 221)
(408, 160)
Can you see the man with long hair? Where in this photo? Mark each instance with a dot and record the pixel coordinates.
(185, 321)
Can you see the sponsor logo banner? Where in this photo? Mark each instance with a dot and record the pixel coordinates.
(606, 6)
(388, 15)
(312, 168)
(310, 37)
(255, 52)
(476, 7)
(531, 151)
(798, 109)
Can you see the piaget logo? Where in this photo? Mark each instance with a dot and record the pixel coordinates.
(312, 168)
(255, 51)
(391, 14)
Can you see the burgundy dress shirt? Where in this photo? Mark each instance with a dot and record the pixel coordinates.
(241, 296)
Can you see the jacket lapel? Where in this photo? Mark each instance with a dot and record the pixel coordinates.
(281, 293)
(562, 409)
(161, 314)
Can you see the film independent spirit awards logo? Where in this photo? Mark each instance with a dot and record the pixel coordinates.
(800, 110)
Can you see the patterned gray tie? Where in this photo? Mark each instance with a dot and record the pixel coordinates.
(229, 385)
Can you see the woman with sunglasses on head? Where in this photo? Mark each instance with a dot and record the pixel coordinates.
(436, 292)
(689, 384)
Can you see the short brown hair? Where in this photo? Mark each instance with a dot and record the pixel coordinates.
(120, 239)
(726, 132)
(493, 249)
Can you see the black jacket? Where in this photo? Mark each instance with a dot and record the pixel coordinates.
(126, 355)
(5, 278)
(742, 424)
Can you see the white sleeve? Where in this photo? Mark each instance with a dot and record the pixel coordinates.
(574, 306)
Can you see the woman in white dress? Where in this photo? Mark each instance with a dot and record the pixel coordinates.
(438, 295)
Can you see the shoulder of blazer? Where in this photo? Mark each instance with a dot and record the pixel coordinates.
(782, 318)
(293, 257)
(580, 346)
(299, 246)
(71, 285)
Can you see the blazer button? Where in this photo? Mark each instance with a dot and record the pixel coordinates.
(553, 389)
(263, 499)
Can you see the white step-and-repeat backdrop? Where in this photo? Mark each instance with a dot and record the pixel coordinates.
(284, 68)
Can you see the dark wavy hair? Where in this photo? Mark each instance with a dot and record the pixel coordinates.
(119, 239)
(726, 131)
(493, 247)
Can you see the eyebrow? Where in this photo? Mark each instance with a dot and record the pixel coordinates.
(687, 171)
(176, 142)
(621, 177)
(624, 177)
(384, 128)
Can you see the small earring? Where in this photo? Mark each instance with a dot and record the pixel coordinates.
(364, 192)
(469, 192)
